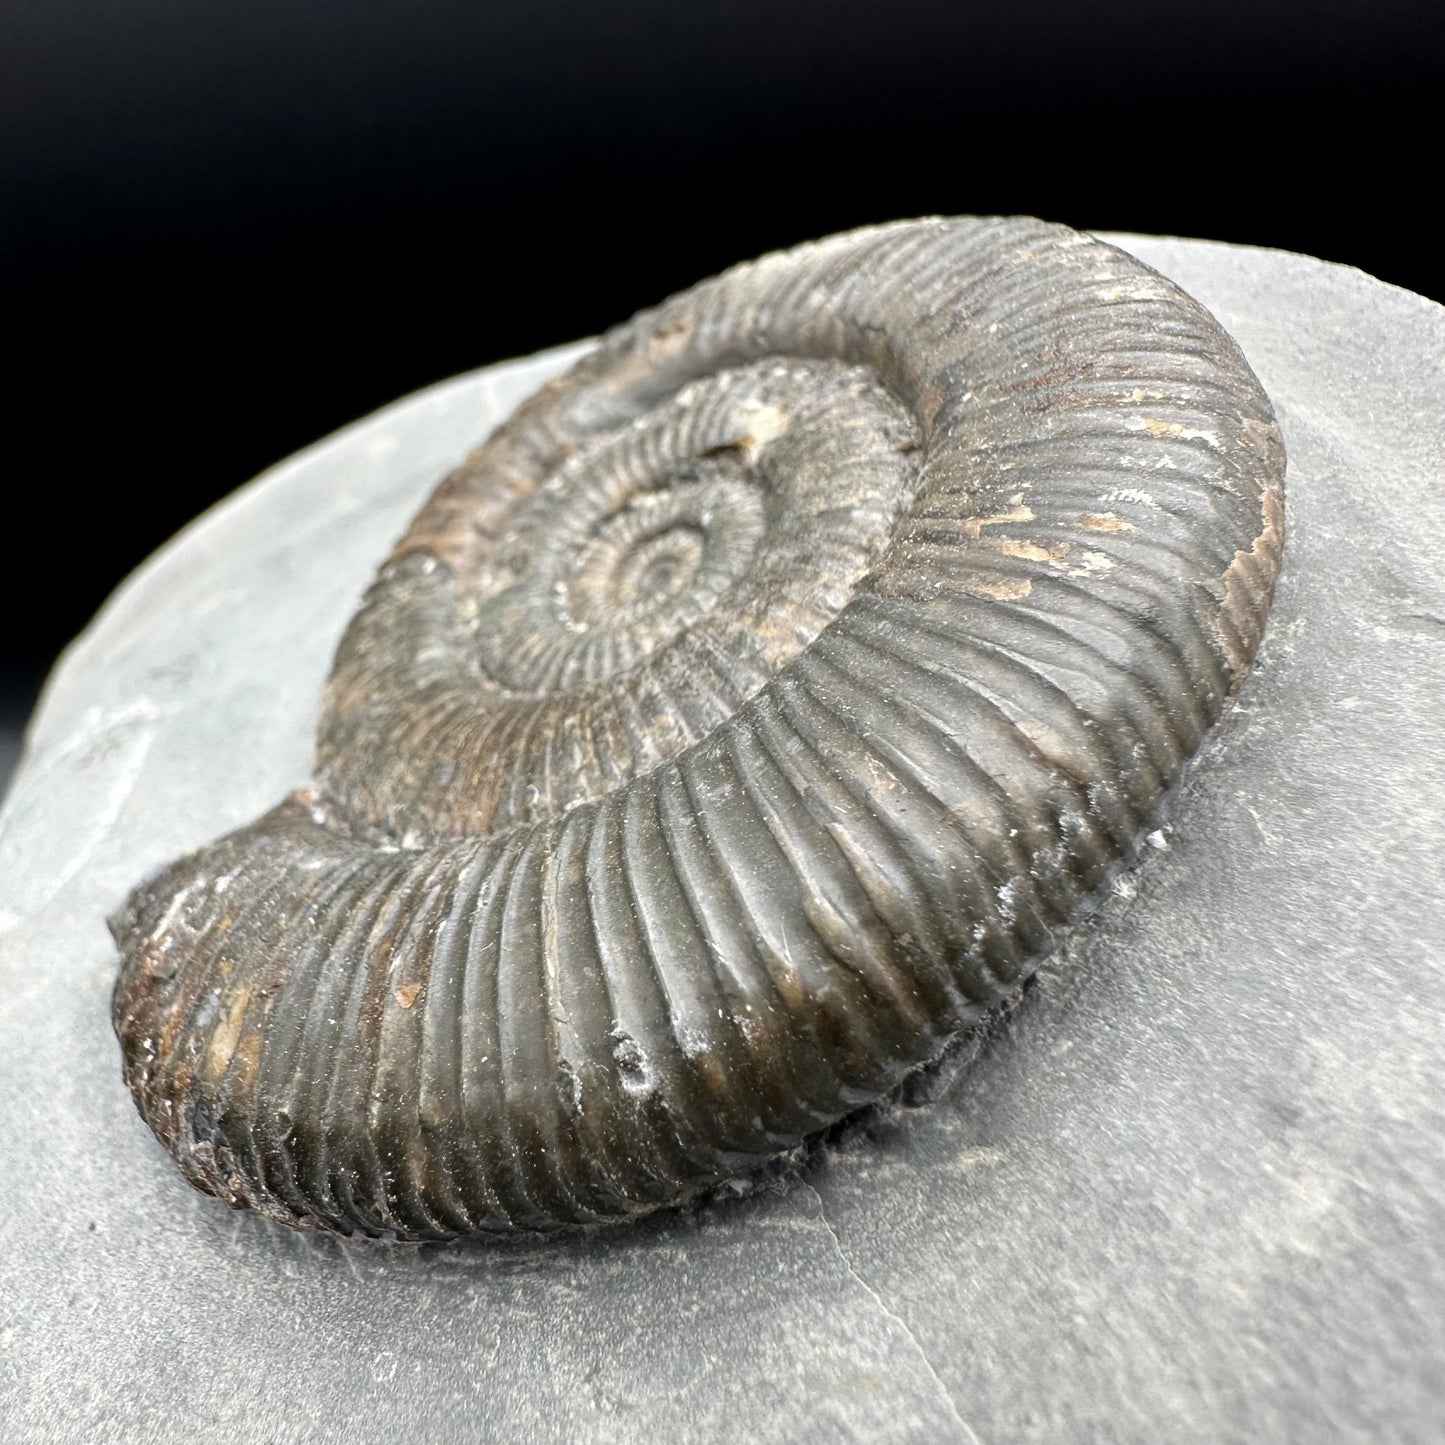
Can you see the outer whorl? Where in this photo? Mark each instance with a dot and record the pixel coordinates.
(749, 713)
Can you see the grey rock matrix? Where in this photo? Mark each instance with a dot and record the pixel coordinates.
(1190, 1189)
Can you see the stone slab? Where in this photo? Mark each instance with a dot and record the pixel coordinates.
(1192, 1188)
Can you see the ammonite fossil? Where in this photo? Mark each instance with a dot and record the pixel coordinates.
(748, 714)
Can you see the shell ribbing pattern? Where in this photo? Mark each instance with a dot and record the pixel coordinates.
(754, 709)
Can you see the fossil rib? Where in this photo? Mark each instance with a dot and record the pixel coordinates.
(751, 711)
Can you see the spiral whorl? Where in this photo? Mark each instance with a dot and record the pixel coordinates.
(752, 710)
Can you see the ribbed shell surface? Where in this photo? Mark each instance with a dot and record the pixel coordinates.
(749, 713)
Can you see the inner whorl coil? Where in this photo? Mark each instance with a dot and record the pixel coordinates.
(749, 713)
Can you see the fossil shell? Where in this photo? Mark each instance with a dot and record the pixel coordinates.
(748, 714)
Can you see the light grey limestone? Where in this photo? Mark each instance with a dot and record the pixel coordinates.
(1193, 1188)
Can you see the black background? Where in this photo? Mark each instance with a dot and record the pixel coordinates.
(226, 229)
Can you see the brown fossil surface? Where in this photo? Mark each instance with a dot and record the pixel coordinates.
(754, 709)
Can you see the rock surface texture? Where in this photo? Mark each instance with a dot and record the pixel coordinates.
(1193, 1187)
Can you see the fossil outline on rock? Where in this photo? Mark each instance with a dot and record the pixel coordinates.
(755, 708)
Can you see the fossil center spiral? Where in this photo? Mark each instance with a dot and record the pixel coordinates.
(612, 582)
(632, 596)
(708, 508)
